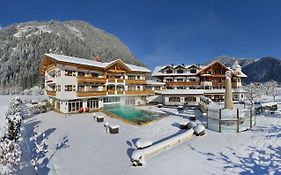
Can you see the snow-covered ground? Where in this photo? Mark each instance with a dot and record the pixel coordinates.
(79, 145)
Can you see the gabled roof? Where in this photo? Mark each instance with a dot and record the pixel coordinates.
(209, 65)
(193, 65)
(118, 61)
(89, 62)
(180, 65)
(168, 66)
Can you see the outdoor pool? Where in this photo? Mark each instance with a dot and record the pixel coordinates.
(131, 114)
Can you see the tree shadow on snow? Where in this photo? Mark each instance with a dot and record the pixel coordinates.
(258, 161)
(63, 143)
(131, 149)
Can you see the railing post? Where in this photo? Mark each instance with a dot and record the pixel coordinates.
(207, 119)
(251, 119)
(220, 121)
(238, 120)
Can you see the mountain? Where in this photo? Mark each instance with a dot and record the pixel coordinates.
(229, 61)
(23, 45)
(263, 70)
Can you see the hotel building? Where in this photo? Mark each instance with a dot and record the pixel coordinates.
(75, 84)
(185, 84)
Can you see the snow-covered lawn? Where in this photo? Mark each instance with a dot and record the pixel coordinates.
(79, 145)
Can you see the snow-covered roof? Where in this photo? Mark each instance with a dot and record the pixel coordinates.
(89, 62)
(158, 72)
(198, 91)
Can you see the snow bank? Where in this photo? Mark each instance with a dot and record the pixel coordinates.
(143, 143)
(139, 155)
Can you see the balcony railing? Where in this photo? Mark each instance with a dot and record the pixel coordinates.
(111, 92)
(206, 83)
(218, 75)
(89, 79)
(51, 93)
(132, 81)
(139, 92)
(222, 84)
(184, 83)
(90, 93)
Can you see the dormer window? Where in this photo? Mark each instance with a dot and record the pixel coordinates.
(169, 71)
(179, 71)
(193, 71)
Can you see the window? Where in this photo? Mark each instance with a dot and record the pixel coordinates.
(74, 105)
(193, 71)
(180, 80)
(59, 87)
(81, 88)
(169, 87)
(58, 73)
(81, 73)
(130, 101)
(169, 80)
(179, 71)
(70, 73)
(174, 99)
(180, 87)
(131, 88)
(93, 103)
(111, 99)
(169, 71)
(187, 99)
(69, 88)
(131, 77)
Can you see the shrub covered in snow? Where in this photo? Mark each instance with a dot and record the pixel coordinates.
(199, 130)
(10, 151)
(10, 154)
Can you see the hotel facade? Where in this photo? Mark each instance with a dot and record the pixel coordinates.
(185, 84)
(74, 84)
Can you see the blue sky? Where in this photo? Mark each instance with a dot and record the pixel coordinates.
(174, 31)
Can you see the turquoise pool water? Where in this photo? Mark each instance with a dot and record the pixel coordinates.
(132, 114)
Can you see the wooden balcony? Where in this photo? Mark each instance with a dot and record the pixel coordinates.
(132, 81)
(111, 80)
(120, 80)
(139, 92)
(218, 75)
(111, 92)
(119, 92)
(89, 79)
(190, 83)
(51, 93)
(90, 93)
(222, 84)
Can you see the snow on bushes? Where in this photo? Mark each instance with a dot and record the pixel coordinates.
(199, 130)
(10, 154)
(10, 151)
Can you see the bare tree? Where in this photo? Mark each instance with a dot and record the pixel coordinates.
(272, 86)
(254, 90)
